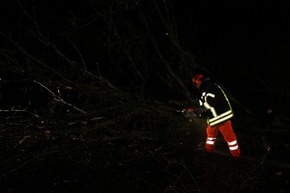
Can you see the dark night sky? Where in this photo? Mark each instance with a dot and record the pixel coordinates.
(252, 34)
(251, 39)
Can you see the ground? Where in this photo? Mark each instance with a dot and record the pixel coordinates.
(91, 155)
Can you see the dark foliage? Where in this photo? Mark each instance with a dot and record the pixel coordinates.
(88, 98)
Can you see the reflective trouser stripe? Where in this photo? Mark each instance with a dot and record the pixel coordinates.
(210, 140)
(233, 145)
(232, 142)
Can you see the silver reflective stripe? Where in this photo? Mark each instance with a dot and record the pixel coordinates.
(224, 95)
(221, 119)
(232, 142)
(221, 115)
(212, 110)
(206, 105)
(210, 142)
(210, 95)
(234, 147)
(200, 102)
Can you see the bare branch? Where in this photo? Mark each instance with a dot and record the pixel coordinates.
(18, 111)
(58, 98)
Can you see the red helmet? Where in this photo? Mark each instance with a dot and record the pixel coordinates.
(197, 79)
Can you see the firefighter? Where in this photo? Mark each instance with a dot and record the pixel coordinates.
(217, 107)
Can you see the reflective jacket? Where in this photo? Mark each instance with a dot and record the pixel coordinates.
(215, 101)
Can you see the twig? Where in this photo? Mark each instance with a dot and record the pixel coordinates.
(80, 55)
(59, 99)
(18, 111)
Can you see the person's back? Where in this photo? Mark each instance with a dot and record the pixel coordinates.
(218, 100)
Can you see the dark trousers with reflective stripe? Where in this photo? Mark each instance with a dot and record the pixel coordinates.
(227, 131)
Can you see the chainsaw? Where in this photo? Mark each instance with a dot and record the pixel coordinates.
(191, 112)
